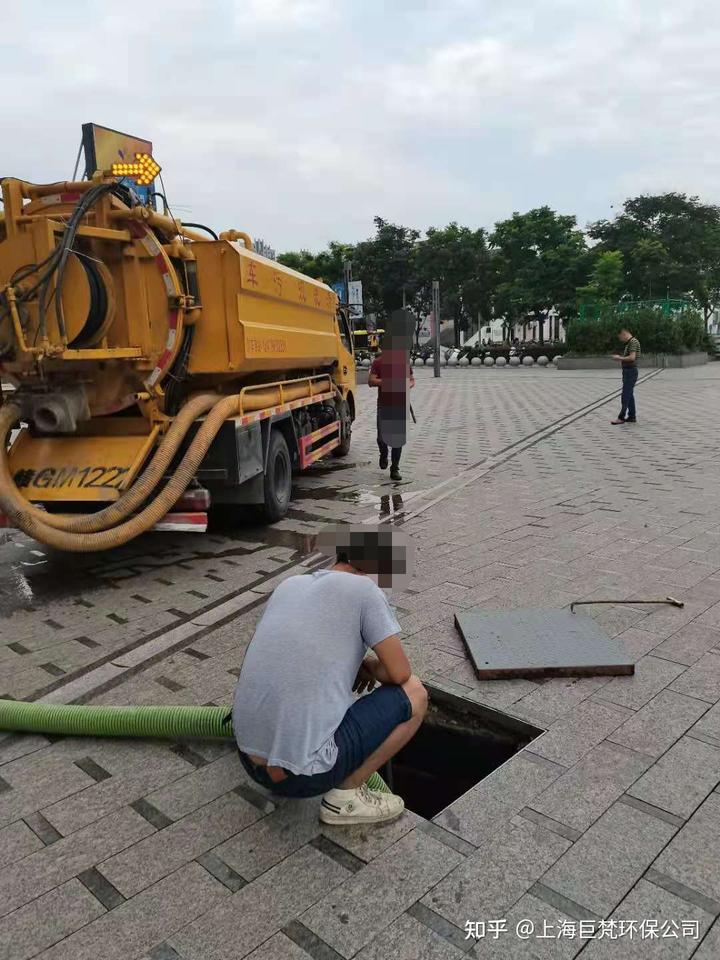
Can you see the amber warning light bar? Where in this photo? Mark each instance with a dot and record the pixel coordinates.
(143, 171)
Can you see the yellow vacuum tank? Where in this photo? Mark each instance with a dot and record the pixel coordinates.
(114, 317)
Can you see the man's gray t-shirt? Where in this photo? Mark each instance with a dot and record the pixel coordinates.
(295, 685)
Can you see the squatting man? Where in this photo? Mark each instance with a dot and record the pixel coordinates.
(326, 695)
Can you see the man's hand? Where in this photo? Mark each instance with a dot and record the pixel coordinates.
(617, 356)
(365, 679)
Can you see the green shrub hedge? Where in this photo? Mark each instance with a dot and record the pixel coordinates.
(678, 333)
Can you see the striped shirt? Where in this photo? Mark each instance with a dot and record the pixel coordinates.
(632, 346)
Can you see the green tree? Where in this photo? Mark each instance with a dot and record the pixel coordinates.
(650, 262)
(386, 265)
(541, 259)
(460, 260)
(301, 260)
(326, 265)
(607, 279)
(671, 245)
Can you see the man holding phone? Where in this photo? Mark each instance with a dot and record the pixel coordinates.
(628, 361)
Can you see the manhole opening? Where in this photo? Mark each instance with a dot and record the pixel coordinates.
(458, 745)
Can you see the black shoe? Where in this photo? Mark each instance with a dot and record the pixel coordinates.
(383, 462)
(631, 420)
(395, 473)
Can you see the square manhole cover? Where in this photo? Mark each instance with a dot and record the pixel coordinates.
(539, 643)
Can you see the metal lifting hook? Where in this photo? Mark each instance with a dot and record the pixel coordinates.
(669, 600)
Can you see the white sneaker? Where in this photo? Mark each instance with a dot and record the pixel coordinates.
(360, 805)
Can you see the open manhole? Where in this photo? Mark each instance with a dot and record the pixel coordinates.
(458, 745)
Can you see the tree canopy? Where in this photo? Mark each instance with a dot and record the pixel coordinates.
(670, 245)
(530, 263)
(541, 258)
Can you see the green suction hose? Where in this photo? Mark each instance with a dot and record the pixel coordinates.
(376, 782)
(198, 723)
(165, 722)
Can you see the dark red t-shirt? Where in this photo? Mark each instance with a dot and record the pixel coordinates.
(390, 368)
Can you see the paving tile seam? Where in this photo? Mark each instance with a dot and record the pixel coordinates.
(464, 847)
(255, 798)
(308, 941)
(329, 848)
(541, 761)
(554, 899)
(440, 925)
(682, 891)
(150, 813)
(554, 826)
(101, 888)
(163, 951)
(222, 871)
(42, 828)
(651, 810)
(707, 738)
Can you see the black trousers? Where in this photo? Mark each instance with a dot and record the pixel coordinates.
(627, 402)
(383, 447)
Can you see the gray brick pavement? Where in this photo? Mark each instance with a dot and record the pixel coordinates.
(611, 813)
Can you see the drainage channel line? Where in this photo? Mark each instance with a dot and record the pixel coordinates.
(119, 666)
(114, 667)
(477, 470)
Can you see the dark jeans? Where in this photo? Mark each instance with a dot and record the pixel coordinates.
(368, 722)
(383, 447)
(629, 379)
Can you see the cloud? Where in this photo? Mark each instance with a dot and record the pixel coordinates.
(283, 12)
(300, 120)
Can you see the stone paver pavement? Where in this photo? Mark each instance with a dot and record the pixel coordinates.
(142, 850)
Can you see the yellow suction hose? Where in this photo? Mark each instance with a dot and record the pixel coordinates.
(15, 506)
(111, 515)
(104, 530)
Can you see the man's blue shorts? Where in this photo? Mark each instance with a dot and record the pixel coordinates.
(367, 724)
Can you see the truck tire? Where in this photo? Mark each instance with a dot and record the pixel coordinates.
(278, 479)
(345, 430)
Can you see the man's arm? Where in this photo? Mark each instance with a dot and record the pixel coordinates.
(625, 357)
(392, 664)
(374, 380)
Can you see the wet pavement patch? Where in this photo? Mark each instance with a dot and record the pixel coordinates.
(539, 643)
(457, 746)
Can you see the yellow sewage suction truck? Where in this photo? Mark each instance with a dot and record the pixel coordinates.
(154, 369)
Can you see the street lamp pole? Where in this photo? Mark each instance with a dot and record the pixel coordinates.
(436, 323)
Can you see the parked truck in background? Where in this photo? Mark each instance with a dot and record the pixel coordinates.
(154, 369)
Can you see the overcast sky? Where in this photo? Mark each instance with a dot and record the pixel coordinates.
(300, 120)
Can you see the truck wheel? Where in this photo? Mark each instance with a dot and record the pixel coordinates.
(278, 478)
(345, 430)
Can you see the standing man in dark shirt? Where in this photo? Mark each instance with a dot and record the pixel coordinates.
(386, 368)
(628, 361)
